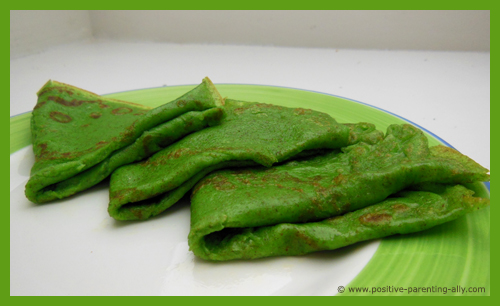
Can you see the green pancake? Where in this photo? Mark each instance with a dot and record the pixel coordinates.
(406, 212)
(250, 134)
(315, 189)
(79, 138)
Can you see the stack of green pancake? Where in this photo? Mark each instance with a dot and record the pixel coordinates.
(80, 138)
(265, 180)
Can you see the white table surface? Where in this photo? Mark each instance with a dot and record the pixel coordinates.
(447, 93)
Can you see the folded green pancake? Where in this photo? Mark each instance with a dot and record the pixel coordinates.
(405, 212)
(228, 206)
(79, 138)
(250, 134)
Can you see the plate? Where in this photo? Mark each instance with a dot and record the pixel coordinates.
(72, 246)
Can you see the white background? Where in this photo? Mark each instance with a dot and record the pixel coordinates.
(403, 30)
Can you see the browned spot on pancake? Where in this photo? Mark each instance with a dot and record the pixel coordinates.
(73, 102)
(399, 207)
(100, 103)
(62, 90)
(339, 179)
(307, 239)
(177, 153)
(181, 103)
(120, 195)
(197, 188)
(198, 103)
(55, 88)
(223, 185)
(40, 104)
(64, 102)
(239, 110)
(217, 182)
(302, 111)
(128, 133)
(375, 218)
(244, 181)
(95, 115)
(60, 117)
(45, 154)
(121, 110)
(43, 151)
(409, 149)
(264, 105)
